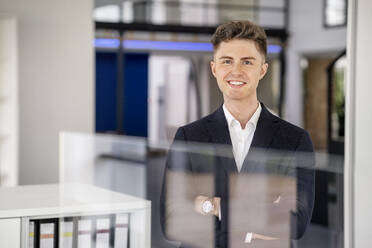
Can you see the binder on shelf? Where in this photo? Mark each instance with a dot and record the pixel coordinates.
(121, 231)
(77, 216)
(66, 234)
(84, 233)
(47, 235)
(31, 234)
(103, 233)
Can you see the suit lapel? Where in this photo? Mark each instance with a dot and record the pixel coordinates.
(217, 128)
(265, 132)
(219, 134)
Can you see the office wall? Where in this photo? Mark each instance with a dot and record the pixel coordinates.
(8, 101)
(307, 36)
(55, 79)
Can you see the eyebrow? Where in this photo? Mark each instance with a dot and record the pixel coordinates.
(244, 58)
(248, 58)
(225, 57)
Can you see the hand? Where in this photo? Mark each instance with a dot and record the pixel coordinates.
(263, 237)
(217, 205)
(198, 204)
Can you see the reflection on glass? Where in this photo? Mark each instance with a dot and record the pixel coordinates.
(267, 204)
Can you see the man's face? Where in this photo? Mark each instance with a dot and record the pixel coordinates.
(238, 66)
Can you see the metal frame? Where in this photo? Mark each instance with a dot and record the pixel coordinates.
(253, 7)
(206, 5)
(171, 28)
(120, 86)
(349, 165)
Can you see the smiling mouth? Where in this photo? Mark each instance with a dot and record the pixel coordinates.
(236, 83)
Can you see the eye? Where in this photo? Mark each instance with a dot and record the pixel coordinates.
(227, 61)
(247, 62)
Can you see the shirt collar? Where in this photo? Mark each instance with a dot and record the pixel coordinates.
(254, 119)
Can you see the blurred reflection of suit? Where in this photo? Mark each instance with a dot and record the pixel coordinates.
(279, 163)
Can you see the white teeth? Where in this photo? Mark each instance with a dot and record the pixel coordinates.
(236, 83)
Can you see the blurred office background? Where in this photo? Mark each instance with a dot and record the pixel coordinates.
(141, 68)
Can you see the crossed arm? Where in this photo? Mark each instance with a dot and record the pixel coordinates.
(301, 200)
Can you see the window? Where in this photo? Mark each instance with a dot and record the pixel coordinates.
(335, 13)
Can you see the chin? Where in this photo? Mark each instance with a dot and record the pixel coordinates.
(237, 98)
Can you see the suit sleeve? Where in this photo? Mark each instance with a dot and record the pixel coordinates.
(187, 174)
(305, 165)
(173, 161)
(290, 216)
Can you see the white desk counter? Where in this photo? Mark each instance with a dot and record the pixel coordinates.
(22, 204)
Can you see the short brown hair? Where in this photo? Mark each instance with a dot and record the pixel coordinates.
(243, 30)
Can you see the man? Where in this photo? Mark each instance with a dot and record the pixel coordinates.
(239, 63)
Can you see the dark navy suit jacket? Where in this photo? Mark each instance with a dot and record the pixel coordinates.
(272, 136)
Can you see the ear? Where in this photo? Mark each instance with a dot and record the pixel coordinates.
(213, 68)
(263, 71)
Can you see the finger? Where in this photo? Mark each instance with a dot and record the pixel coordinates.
(263, 237)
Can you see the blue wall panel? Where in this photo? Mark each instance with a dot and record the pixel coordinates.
(135, 94)
(106, 72)
(135, 104)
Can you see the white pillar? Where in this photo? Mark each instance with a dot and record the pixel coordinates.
(358, 155)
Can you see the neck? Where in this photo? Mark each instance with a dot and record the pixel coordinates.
(242, 110)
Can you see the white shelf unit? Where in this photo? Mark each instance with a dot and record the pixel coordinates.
(8, 101)
(24, 204)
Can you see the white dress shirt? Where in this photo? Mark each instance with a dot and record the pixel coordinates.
(241, 139)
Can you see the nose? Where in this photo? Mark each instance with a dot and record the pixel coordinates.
(236, 69)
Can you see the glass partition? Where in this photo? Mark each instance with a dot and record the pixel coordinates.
(199, 198)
